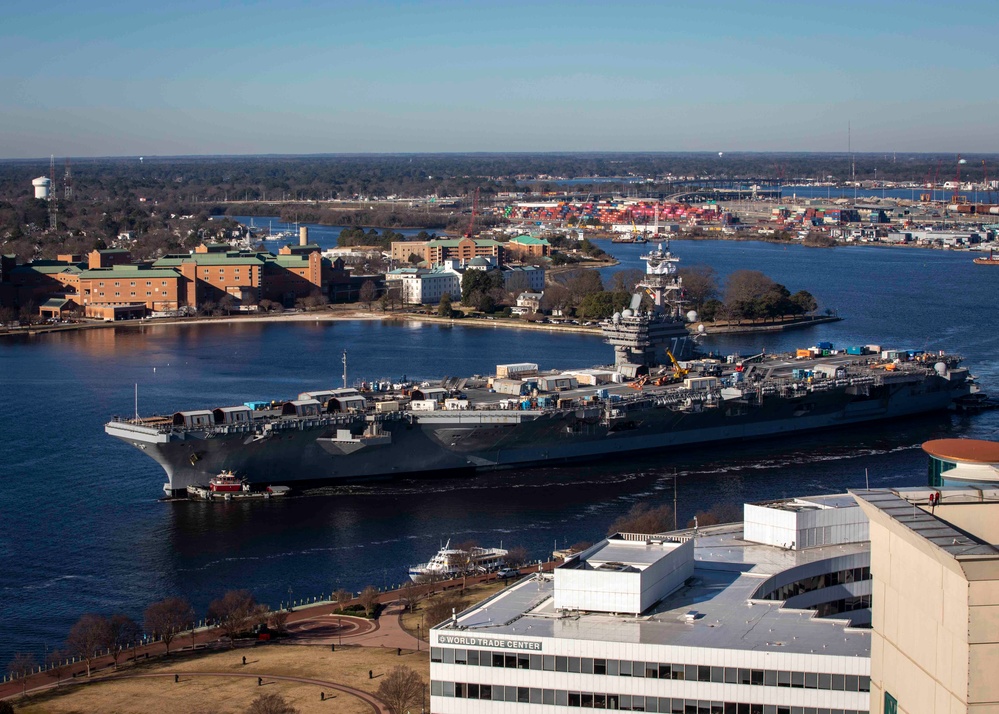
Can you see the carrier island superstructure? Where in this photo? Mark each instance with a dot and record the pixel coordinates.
(522, 416)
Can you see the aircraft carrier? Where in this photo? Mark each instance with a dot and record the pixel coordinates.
(652, 399)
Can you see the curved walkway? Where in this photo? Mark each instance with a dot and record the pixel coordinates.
(376, 704)
(330, 629)
(385, 632)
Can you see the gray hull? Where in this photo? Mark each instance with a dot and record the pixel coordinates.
(314, 451)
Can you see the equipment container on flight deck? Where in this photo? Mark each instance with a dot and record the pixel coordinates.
(383, 407)
(803, 354)
(855, 350)
(602, 393)
(825, 345)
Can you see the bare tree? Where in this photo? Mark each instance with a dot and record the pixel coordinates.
(700, 284)
(718, 513)
(54, 660)
(341, 597)
(86, 638)
(120, 631)
(625, 280)
(232, 612)
(415, 592)
(367, 293)
(556, 298)
(279, 620)
(21, 667)
(227, 303)
(167, 618)
(271, 704)
(643, 518)
(464, 559)
(440, 607)
(369, 599)
(516, 556)
(401, 689)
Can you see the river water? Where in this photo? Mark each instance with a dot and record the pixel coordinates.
(81, 529)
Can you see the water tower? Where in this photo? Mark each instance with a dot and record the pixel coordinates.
(42, 185)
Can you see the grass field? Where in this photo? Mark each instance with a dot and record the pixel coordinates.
(349, 665)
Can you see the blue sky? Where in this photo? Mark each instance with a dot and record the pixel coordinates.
(114, 78)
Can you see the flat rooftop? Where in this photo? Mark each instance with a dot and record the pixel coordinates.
(727, 573)
(839, 500)
(963, 525)
(623, 555)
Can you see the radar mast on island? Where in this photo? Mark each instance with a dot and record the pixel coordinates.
(640, 336)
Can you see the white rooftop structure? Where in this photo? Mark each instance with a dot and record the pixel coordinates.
(625, 573)
(797, 523)
(679, 622)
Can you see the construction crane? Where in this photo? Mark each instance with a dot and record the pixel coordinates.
(679, 373)
(956, 198)
(475, 211)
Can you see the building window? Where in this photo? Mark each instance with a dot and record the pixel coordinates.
(891, 704)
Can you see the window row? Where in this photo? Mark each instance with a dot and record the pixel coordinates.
(818, 582)
(616, 702)
(652, 670)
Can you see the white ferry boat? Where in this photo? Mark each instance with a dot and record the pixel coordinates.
(450, 562)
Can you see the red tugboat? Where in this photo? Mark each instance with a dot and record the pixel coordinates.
(227, 482)
(227, 485)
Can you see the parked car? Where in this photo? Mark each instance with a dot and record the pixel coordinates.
(508, 573)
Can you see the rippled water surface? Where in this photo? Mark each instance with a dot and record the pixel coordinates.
(81, 528)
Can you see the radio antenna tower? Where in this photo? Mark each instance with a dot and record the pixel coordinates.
(67, 181)
(53, 209)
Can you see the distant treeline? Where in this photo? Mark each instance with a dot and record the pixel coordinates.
(215, 179)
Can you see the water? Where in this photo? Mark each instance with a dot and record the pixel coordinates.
(909, 194)
(81, 529)
(324, 236)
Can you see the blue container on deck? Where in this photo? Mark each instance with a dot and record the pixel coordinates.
(615, 397)
(855, 350)
(526, 404)
(256, 405)
(825, 345)
(602, 393)
(546, 402)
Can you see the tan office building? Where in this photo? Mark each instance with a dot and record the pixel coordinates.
(935, 568)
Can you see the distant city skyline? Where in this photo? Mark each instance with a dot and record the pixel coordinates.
(189, 78)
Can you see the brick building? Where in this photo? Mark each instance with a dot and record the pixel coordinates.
(435, 252)
(209, 274)
(526, 247)
(154, 288)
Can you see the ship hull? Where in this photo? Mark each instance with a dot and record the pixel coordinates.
(443, 443)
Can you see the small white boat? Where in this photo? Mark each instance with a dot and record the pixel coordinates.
(450, 562)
